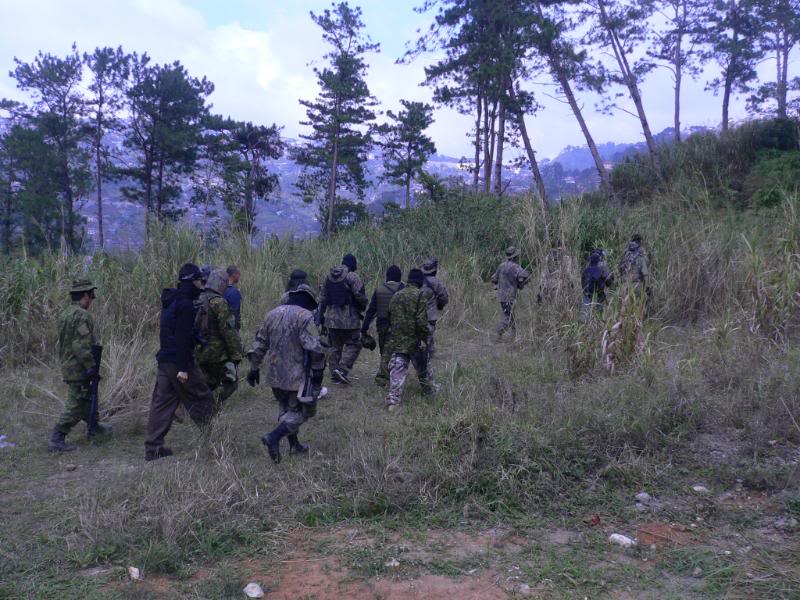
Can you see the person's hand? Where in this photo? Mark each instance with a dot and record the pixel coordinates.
(182, 376)
(253, 377)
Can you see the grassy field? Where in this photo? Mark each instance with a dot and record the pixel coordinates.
(506, 483)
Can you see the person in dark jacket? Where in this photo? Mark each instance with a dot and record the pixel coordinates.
(233, 296)
(595, 278)
(378, 310)
(179, 379)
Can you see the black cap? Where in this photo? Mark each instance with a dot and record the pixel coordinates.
(189, 272)
(416, 276)
(394, 273)
(636, 238)
(349, 261)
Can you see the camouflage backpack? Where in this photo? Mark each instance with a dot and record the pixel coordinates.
(201, 320)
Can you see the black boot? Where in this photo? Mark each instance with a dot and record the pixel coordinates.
(295, 447)
(162, 452)
(272, 441)
(58, 442)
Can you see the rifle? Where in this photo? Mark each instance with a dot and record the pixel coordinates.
(91, 423)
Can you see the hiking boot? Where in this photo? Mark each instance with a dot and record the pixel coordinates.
(100, 430)
(340, 376)
(430, 387)
(381, 382)
(295, 447)
(162, 452)
(272, 441)
(58, 442)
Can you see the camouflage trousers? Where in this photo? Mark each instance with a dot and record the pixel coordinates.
(222, 379)
(76, 408)
(382, 376)
(345, 348)
(507, 321)
(429, 342)
(398, 371)
(291, 411)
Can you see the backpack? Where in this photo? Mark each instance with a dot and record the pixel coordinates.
(201, 320)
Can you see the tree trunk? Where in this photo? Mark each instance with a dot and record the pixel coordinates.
(408, 191)
(501, 135)
(563, 81)
(8, 207)
(678, 66)
(486, 165)
(726, 94)
(476, 174)
(69, 217)
(99, 184)
(632, 85)
(160, 194)
(783, 75)
(492, 133)
(148, 195)
(332, 190)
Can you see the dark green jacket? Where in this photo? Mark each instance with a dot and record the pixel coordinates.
(223, 343)
(408, 320)
(75, 340)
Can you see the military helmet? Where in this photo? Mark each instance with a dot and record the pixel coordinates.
(304, 288)
(217, 281)
(82, 285)
(512, 252)
(430, 266)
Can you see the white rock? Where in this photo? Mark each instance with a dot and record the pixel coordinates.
(698, 572)
(524, 589)
(392, 563)
(644, 497)
(134, 573)
(253, 590)
(700, 489)
(641, 507)
(621, 540)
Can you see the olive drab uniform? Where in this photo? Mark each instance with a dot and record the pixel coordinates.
(341, 303)
(436, 297)
(282, 341)
(219, 348)
(379, 310)
(509, 279)
(634, 267)
(75, 340)
(408, 322)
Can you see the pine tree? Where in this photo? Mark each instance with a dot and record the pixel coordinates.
(405, 146)
(110, 70)
(334, 153)
(58, 112)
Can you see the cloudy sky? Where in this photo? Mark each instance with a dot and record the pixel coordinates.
(259, 53)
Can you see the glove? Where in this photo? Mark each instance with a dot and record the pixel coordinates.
(92, 373)
(253, 377)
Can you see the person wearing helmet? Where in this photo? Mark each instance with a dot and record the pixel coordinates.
(293, 353)
(509, 278)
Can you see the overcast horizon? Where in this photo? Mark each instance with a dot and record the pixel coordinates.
(257, 54)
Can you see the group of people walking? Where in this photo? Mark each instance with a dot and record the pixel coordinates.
(200, 347)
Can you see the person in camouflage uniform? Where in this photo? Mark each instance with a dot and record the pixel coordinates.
(436, 297)
(634, 267)
(219, 351)
(408, 324)
(296, 278)
(508, 280)
(75, 340)
(291, 346)
(342, 301)
(378, 310)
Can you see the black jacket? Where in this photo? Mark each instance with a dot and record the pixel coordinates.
(176, 335)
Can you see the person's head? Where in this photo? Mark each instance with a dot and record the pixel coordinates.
(349, 261)
(416, 278)
(394, 273)
(636, 238)
(296, 277)
(512, 253)
(190, 274)
(430, 267)
(234, 274)
(304, 297)
(217, 281)
(594, 258)
(82, 291)
(205, 271)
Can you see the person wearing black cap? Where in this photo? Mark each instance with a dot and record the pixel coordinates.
(595, 278)
(378, 309)
(76, 337)
(341, 303)
(408, 321)
(294, 355)
(179, 379)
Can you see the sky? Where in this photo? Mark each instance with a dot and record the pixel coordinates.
(260, 54)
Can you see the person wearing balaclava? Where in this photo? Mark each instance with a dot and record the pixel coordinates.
(378, 310)
(342, 301)
(179, 380)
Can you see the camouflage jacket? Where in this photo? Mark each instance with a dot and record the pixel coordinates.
(408, 320)
(634, 264)
(347, 316)
(436, 297)
(223, 343)
(75, 341)
(509, 278)
(284, 336)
